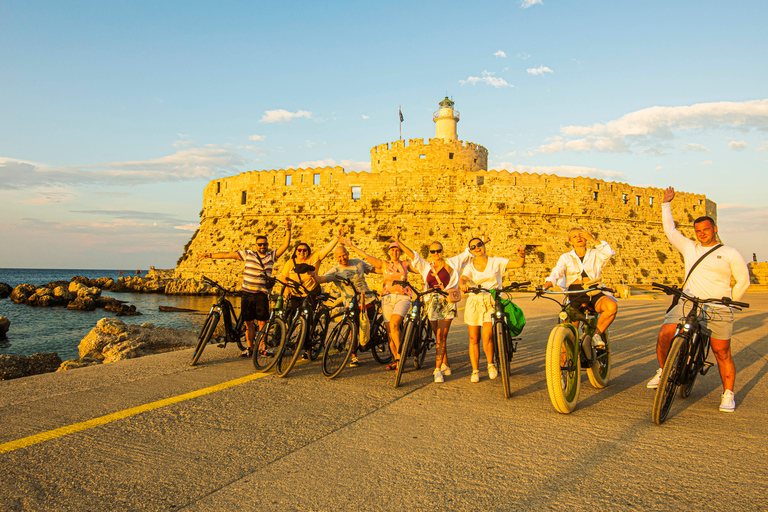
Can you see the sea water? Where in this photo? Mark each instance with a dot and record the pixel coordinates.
(57, 329)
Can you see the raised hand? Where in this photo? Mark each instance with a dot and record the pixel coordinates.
(669, 195)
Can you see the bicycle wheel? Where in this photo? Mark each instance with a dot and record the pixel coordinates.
(671, 375)
(319, 332)
(424, 345)
(406, 345)
(500, 339)
(339, 348)
(241, 338)
(563, 368)
(268, 345)
(380, 343)
(294, 347)
(600, 371)
(205, 336)
(696, 363)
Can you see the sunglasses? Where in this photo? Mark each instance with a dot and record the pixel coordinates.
(476, 246)
(302, 250)
(262, 244)
(435, 252)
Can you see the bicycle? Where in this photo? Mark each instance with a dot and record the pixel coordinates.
(688, 352)
(270, 340)
(566, 356)
(343, 339)
(415, 335)
(232, 333)
(504, 345)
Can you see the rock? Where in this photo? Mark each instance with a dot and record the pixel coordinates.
(13, 367)
(5, 290)
(103, 282)
(84, 303)
(147, 325)
(62, 293)
(5, 325)
(112, 340)
(57, 284)
(82, 290)
(81, 280)
(78, 363)
(22, 292)
(171, 309)
(188, 287)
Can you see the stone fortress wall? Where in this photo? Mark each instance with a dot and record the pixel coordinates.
(440, 190)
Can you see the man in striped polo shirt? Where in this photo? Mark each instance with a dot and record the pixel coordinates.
(258, 268)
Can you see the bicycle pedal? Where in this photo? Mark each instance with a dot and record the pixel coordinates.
(221, 345)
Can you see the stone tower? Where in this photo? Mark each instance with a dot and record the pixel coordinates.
(445, 121)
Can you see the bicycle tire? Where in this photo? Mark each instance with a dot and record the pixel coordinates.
(406, 344)
(319, 332)
(691, 371)
(295, 346)
(499, 338)
(600, 371)
(206, 333)
(339, 348)
(674, 367)
(563, 376)
(272, 337)
(380, 349)
(241, 338)
(424, 345)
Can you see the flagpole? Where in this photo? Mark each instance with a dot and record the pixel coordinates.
(400, 112)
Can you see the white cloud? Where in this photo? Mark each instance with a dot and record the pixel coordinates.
(654, 124)
(365, 116)
(706, 162)
(257, 137)
(187, 227)
(737, 145)
(764, 147)
(692, 146)
(348, 165)
(658, 168)
(523, 56)
(500, 54)
(529, 3)
(560, 170)
(539, 71)
(487, 78)
(283, 116)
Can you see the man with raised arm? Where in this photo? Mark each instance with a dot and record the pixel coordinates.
(353, 270)
(711, 278)
(583, 265)
(258, 269)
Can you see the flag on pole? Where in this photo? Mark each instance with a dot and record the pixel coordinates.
(401, 115)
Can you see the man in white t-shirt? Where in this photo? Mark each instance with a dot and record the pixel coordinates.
(710, 279)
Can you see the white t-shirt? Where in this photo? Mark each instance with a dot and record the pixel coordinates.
(491, 277)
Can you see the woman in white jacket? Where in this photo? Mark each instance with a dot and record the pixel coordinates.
(442, 273)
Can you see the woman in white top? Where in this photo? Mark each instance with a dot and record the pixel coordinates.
(395, 299)
(487, 272)
(441, 273)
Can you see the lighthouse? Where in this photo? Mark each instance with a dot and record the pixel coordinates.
(445, 121)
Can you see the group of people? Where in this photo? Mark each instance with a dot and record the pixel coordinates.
(575, 270)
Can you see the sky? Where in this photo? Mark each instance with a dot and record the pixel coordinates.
(115, 115)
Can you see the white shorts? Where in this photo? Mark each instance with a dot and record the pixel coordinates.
(395, 304)
(478, 309)
(715, 322)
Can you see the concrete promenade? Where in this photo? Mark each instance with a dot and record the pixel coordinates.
(356, 443)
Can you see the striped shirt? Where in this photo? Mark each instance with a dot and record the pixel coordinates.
(254, 275)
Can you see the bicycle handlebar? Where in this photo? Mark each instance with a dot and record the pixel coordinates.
(673, 290)
(509, 288)
(418, 293)
(217, 285)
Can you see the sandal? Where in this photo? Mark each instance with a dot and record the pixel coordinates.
(392, 366)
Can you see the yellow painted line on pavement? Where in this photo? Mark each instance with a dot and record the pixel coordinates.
(103, 420)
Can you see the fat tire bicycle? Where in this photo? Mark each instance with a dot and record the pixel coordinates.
(234, 332)
(688, 352)
(504, 345)
(569, 349)
(416, 337)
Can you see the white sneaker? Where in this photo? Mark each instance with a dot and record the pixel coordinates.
(475, 376)
(492, 371)
(654, 382)
(728, 401)
(597, 341)
(439, 376)
(445, 369)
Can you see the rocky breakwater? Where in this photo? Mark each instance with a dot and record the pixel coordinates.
(113, 340)
(74, 295)
(154, 282)
(13, 367)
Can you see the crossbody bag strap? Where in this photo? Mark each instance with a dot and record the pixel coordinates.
(677, 297)
(263, 268)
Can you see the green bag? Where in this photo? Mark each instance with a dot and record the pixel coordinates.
(515, 316)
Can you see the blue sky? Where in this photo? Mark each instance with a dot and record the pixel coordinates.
(114, 115)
